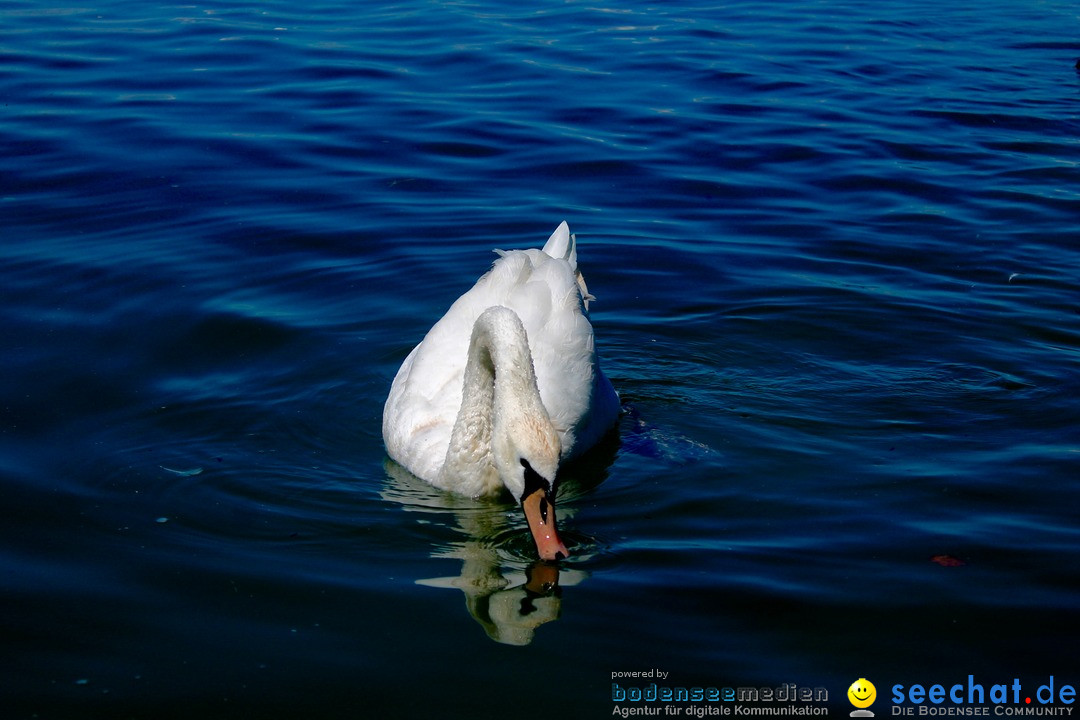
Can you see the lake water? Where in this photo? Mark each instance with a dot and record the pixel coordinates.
(836, 253)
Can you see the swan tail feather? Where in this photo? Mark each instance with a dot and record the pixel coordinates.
(561, 245)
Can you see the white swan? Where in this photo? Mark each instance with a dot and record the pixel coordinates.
(505, 386)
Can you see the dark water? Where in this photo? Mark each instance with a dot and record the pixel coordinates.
(836, 251)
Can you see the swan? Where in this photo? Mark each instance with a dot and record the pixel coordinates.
(505, 386)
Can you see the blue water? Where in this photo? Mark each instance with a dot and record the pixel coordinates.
(835, 252)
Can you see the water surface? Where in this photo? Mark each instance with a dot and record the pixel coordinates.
(834, 247)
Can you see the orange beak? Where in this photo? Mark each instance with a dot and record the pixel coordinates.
(540, 514)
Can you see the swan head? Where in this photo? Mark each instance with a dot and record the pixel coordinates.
(527, 458)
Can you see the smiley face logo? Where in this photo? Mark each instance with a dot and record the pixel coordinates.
(862, 693)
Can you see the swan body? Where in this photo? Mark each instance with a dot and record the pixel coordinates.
(505, 386)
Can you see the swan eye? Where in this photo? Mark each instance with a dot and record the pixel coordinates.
(533, 480)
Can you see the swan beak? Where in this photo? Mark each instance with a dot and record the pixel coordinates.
(542, 579)
(540, 514)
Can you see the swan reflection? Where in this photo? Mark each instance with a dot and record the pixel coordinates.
(507, 596)
(508, 606)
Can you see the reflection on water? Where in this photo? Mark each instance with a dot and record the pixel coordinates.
(506, 594)
(508, 605)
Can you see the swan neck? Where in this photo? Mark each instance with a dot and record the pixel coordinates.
(499, 384)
